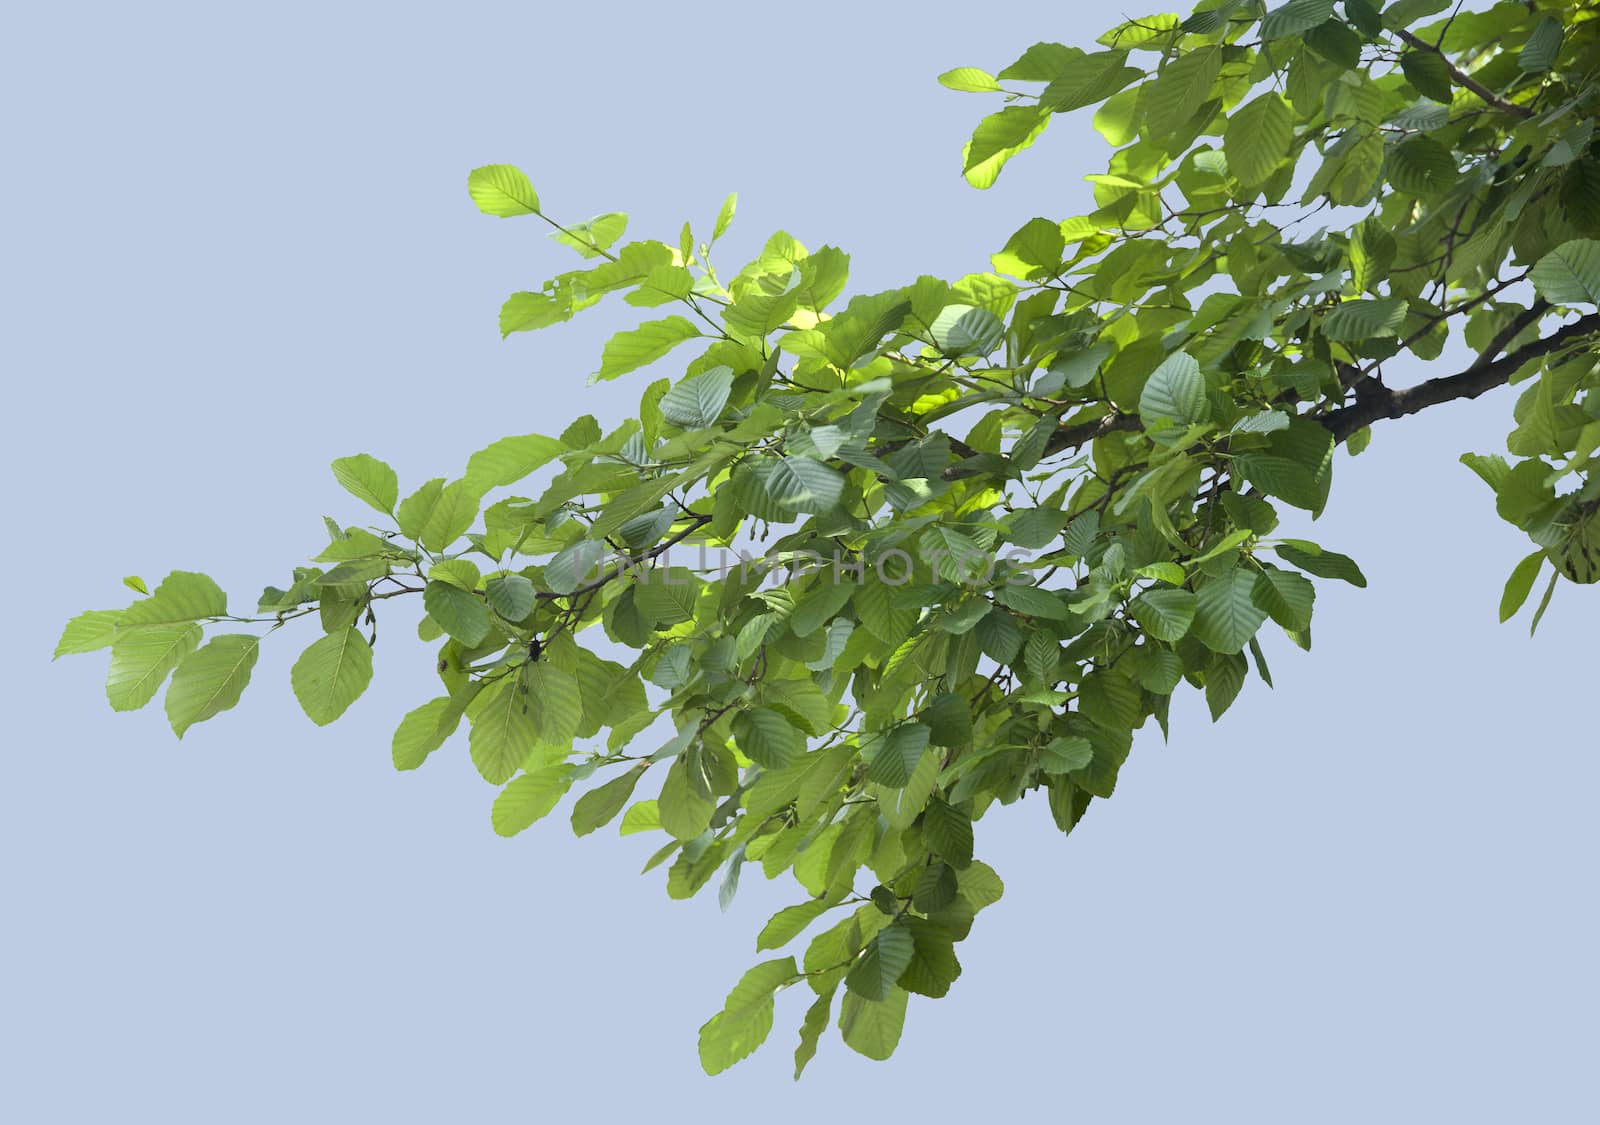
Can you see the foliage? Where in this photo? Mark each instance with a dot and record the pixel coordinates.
(1044, 496)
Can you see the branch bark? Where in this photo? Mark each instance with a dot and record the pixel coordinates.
(1488, 371)
(1463, 79)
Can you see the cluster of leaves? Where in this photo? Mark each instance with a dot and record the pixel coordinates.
(1131, 395)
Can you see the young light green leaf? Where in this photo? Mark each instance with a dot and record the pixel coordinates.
(368, 480)
(632, 349)
(331, 674)
(598, 806)
(503, 190)
(1520, 584)
(505, 730)
(529, 798)
(210, 680)
(141, 658)
(182, 596)
(460, 613)
(89, 632)
(422, 731)
(966, 330)
(509, 460)
(746, 1018)
(725, 216)
(969, 80)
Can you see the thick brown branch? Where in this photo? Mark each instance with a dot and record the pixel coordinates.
(1485, 373)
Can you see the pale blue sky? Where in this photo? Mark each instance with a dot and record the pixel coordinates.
(238, 245)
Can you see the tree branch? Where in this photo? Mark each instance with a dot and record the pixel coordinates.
(1485, 373)
(1463, 79)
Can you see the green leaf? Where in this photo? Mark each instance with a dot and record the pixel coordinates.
(969, 80)
(1544, 604)
(182, 596)
(787, 924)
(1034, 602)
(596, 807)
(1224, 680)
(1569, 274)
(632, 349)
(1165, 614)
(1088, 79)
(1365, 319)
(1175, 392)
(803, 485)
(1365, 17)
(1429, 74)
(210, 680)
(595, 235)
(1543, 47)
(1182, 87)
(1520, 585)
(142, 657)
(1324, 564)
(557, 700)
(1295, 17)
(437, 514)
(811, 1029)
(331, 674)
(1068, 753)
(766, 737)
(1297, 465)
(685, 806)
(698, 401)
(510, 595)
(642, 816)
(933, 968)
(1422, 166)
(368, 480)
(89, 632)
(461, 614)
(575, 565)
(886, 956)
(746, 1018)
(998, 138)
(423, 731)
(966, 330)
(529, 798)
(528, 312)
(505, 731)
(872, 1027)
(509, 460)
(896, 755)
(503, 190)
(1287, 597)
(1258, 138)
(725, 216)
(1226, 615)
(948, 831)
